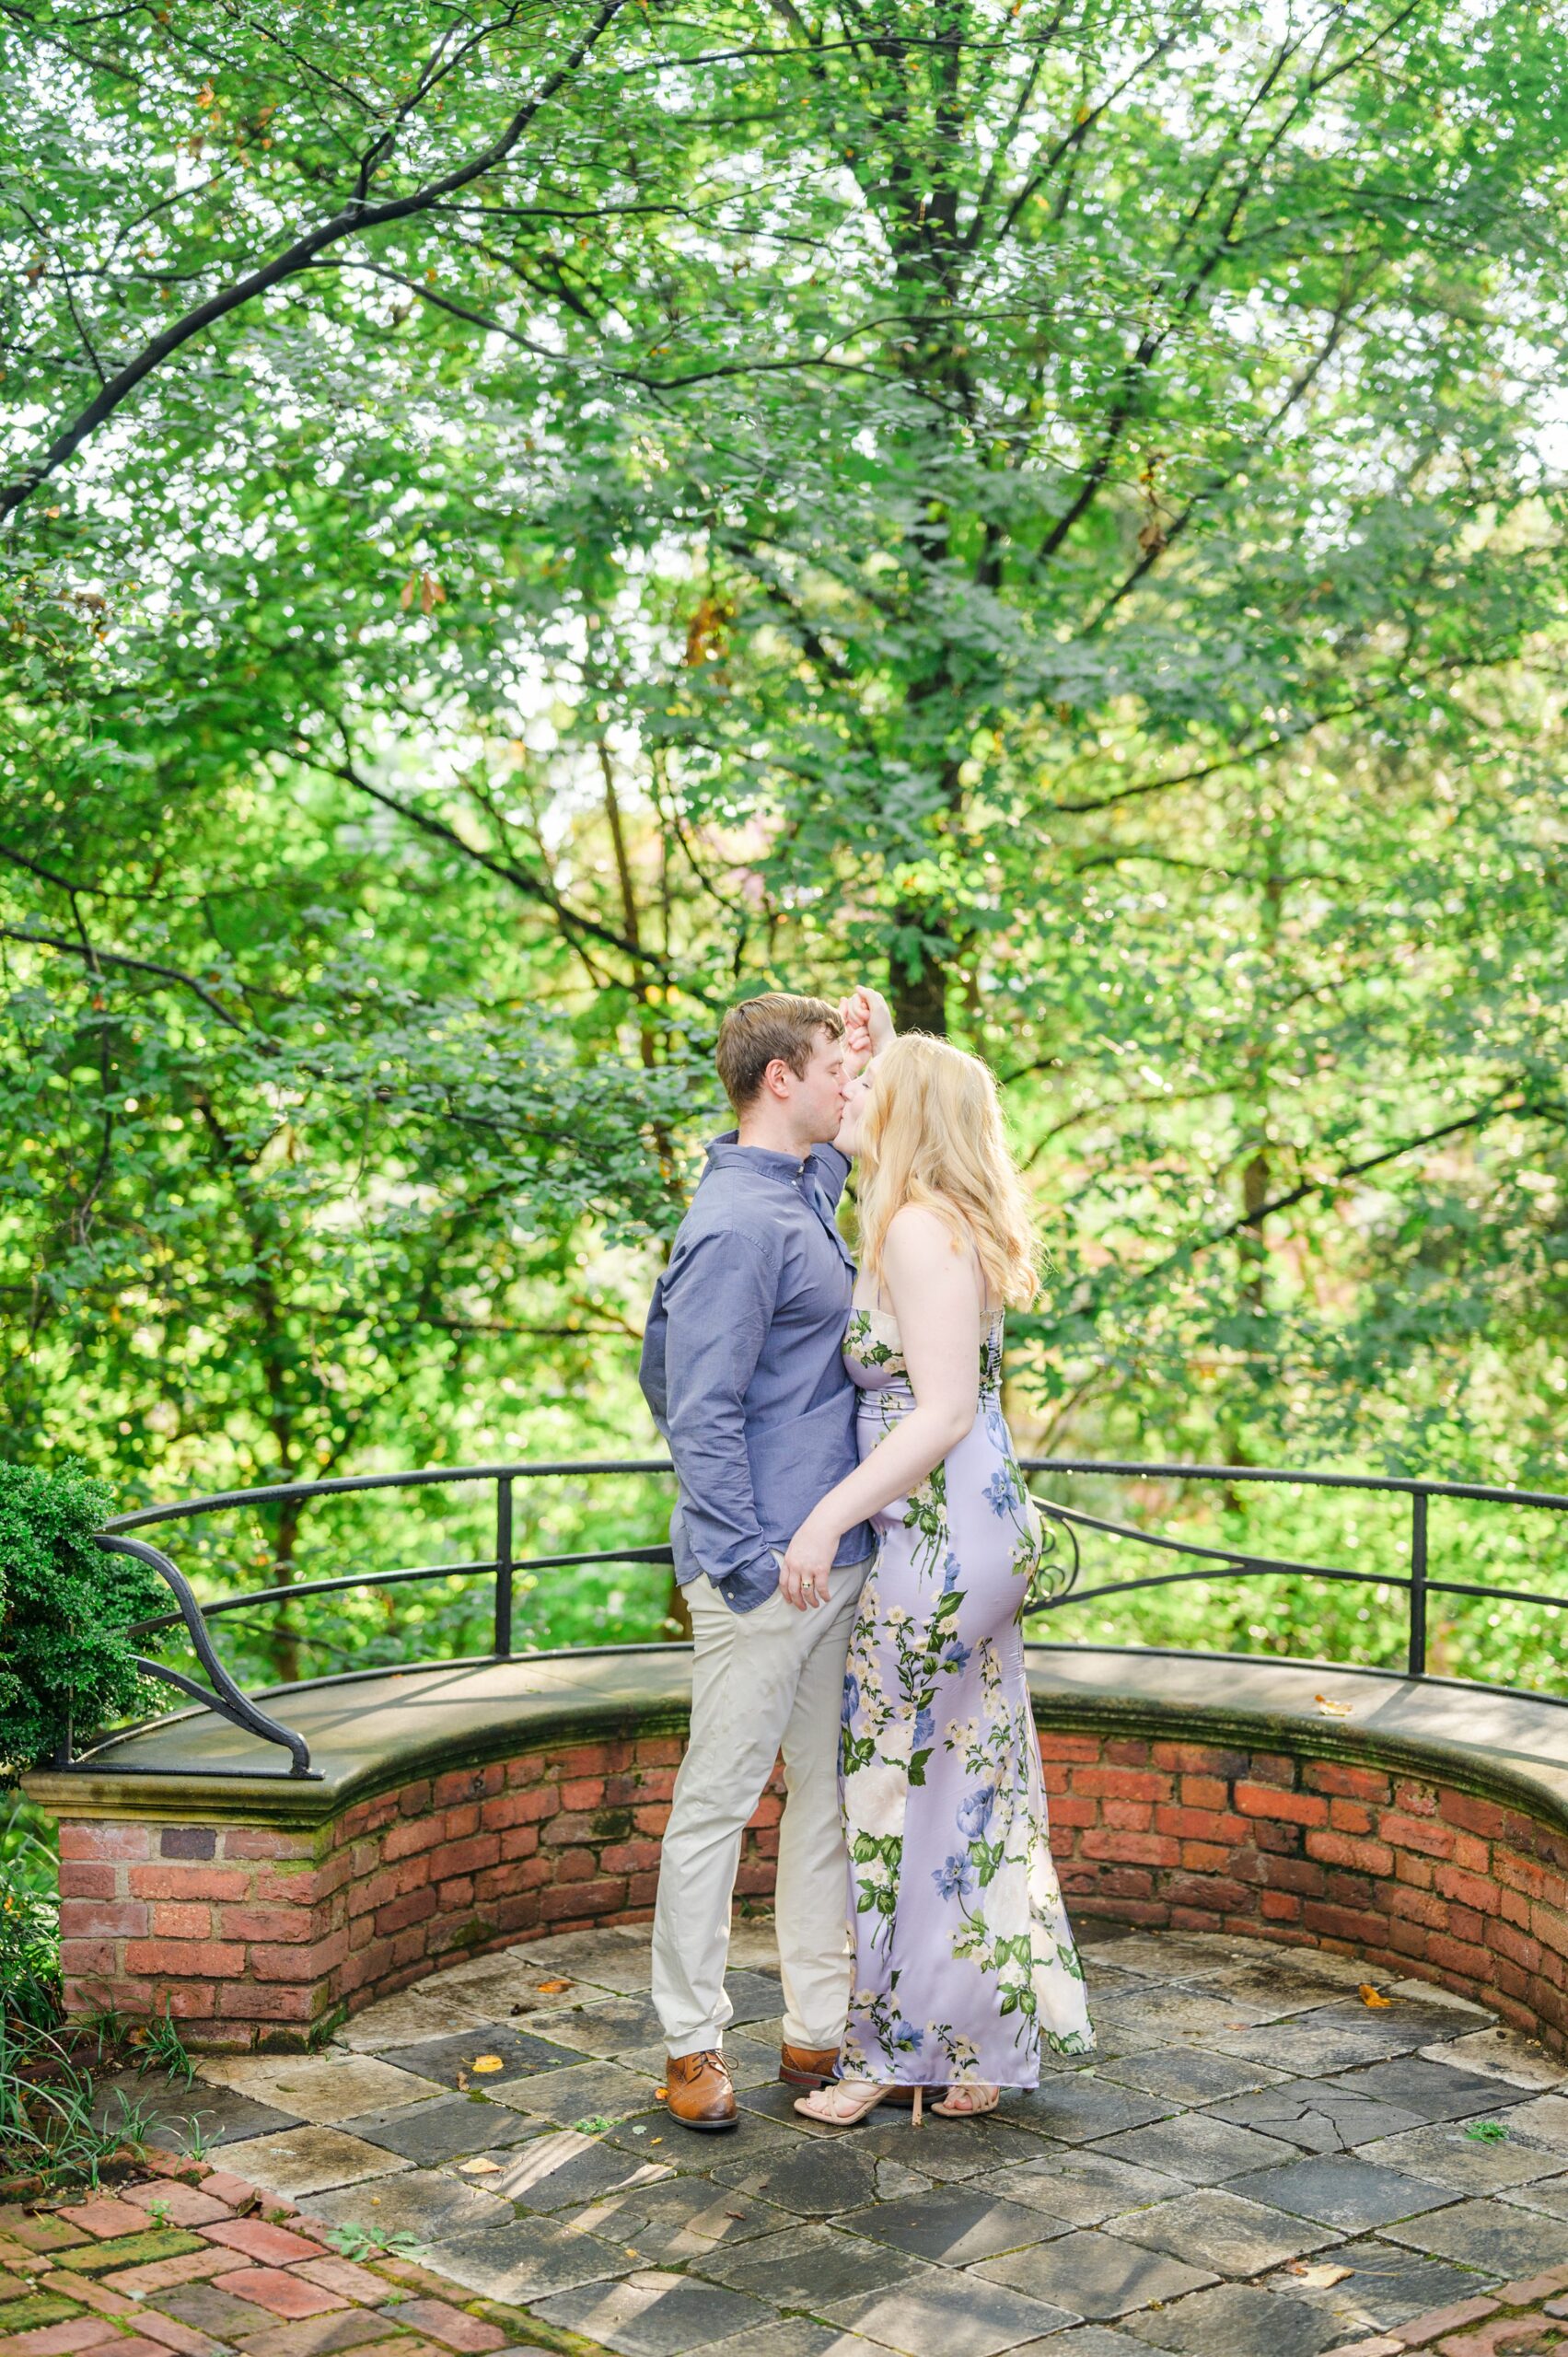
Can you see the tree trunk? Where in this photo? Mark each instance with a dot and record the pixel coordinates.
(678, 1619)
(285, 1632)
(918, 996)
(1254, 1252)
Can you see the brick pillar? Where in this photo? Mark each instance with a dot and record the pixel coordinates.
(227, 1925)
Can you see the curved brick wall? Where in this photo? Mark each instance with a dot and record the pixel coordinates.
(1407, 1871)
(255, 1933)
(262, 1932)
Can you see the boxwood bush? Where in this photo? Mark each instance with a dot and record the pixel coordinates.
(65, 1660)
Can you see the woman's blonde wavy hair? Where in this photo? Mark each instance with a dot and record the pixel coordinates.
(932, 1134)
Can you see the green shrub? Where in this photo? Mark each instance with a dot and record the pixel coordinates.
(64, 1607)
(30, 1953)
(29, 1916)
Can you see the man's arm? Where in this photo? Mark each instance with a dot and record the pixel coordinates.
(718, 1306)
(832, 1169)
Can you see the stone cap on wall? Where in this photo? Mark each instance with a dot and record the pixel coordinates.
(1494, 1741)
(369, 1734)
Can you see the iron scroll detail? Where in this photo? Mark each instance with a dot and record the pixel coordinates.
(1058, 1560)
(225, 1699)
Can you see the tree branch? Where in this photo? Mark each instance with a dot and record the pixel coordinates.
(573, 920)
(1498, 1109)
(1278, 737)
(47, 874)
(89, 952)
(355, 217)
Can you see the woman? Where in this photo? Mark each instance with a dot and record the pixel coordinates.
(965, 1965)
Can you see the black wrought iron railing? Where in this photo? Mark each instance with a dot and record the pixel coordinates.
(1067, 1528)
(1217, 1561)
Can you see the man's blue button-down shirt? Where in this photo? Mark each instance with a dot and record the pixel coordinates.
(743, 1365)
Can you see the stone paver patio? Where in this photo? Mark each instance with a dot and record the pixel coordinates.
(1257, 2164)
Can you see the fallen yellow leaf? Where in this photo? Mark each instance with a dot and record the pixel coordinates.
(488, 2062)
(552, 1988)
(478, 2166)
(1370, 1996)
(1331, 1710)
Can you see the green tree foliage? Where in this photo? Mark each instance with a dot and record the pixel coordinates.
(525, 525)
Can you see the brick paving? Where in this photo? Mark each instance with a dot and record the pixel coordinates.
(1258, 2162)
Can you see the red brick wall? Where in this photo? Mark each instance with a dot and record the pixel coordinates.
(254, 1935)
(1402, 1870)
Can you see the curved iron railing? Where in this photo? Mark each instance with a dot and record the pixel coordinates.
(1238, 1562)
(1058, 1588)
(226, 1700)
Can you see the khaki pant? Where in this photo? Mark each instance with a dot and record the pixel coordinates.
(763, 1682)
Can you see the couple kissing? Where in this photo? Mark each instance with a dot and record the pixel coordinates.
(856, 1544)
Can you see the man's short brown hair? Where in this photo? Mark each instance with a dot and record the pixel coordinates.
(775, 1028)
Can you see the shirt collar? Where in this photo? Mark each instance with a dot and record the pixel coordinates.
(726, 1153)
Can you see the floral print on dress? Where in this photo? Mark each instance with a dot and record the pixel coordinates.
(965, 1966)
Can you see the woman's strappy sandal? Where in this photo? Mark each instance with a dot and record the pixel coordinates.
(975, 2108)
(868, 2093)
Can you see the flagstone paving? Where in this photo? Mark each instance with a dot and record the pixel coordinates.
(1258, 2162)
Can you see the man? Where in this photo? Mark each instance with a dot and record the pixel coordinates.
(743, 1369)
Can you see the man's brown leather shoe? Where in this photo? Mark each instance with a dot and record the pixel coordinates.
(808, 2066)
(698, 2092)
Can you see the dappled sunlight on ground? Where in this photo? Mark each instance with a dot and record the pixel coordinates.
(1275, 2152)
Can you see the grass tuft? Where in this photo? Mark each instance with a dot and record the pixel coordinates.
(162, 2047)
(48, 2133)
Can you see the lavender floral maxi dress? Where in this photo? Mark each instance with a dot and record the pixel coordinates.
(965, 1965)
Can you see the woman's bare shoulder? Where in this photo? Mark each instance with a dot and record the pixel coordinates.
(919, 1237)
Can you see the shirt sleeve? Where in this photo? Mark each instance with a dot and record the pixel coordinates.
(718, 1304)
(833, 1170)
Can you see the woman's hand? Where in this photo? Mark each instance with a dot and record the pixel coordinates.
(808, 1560)
(869, 1027)
(857, 1035)
(878, 1018)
